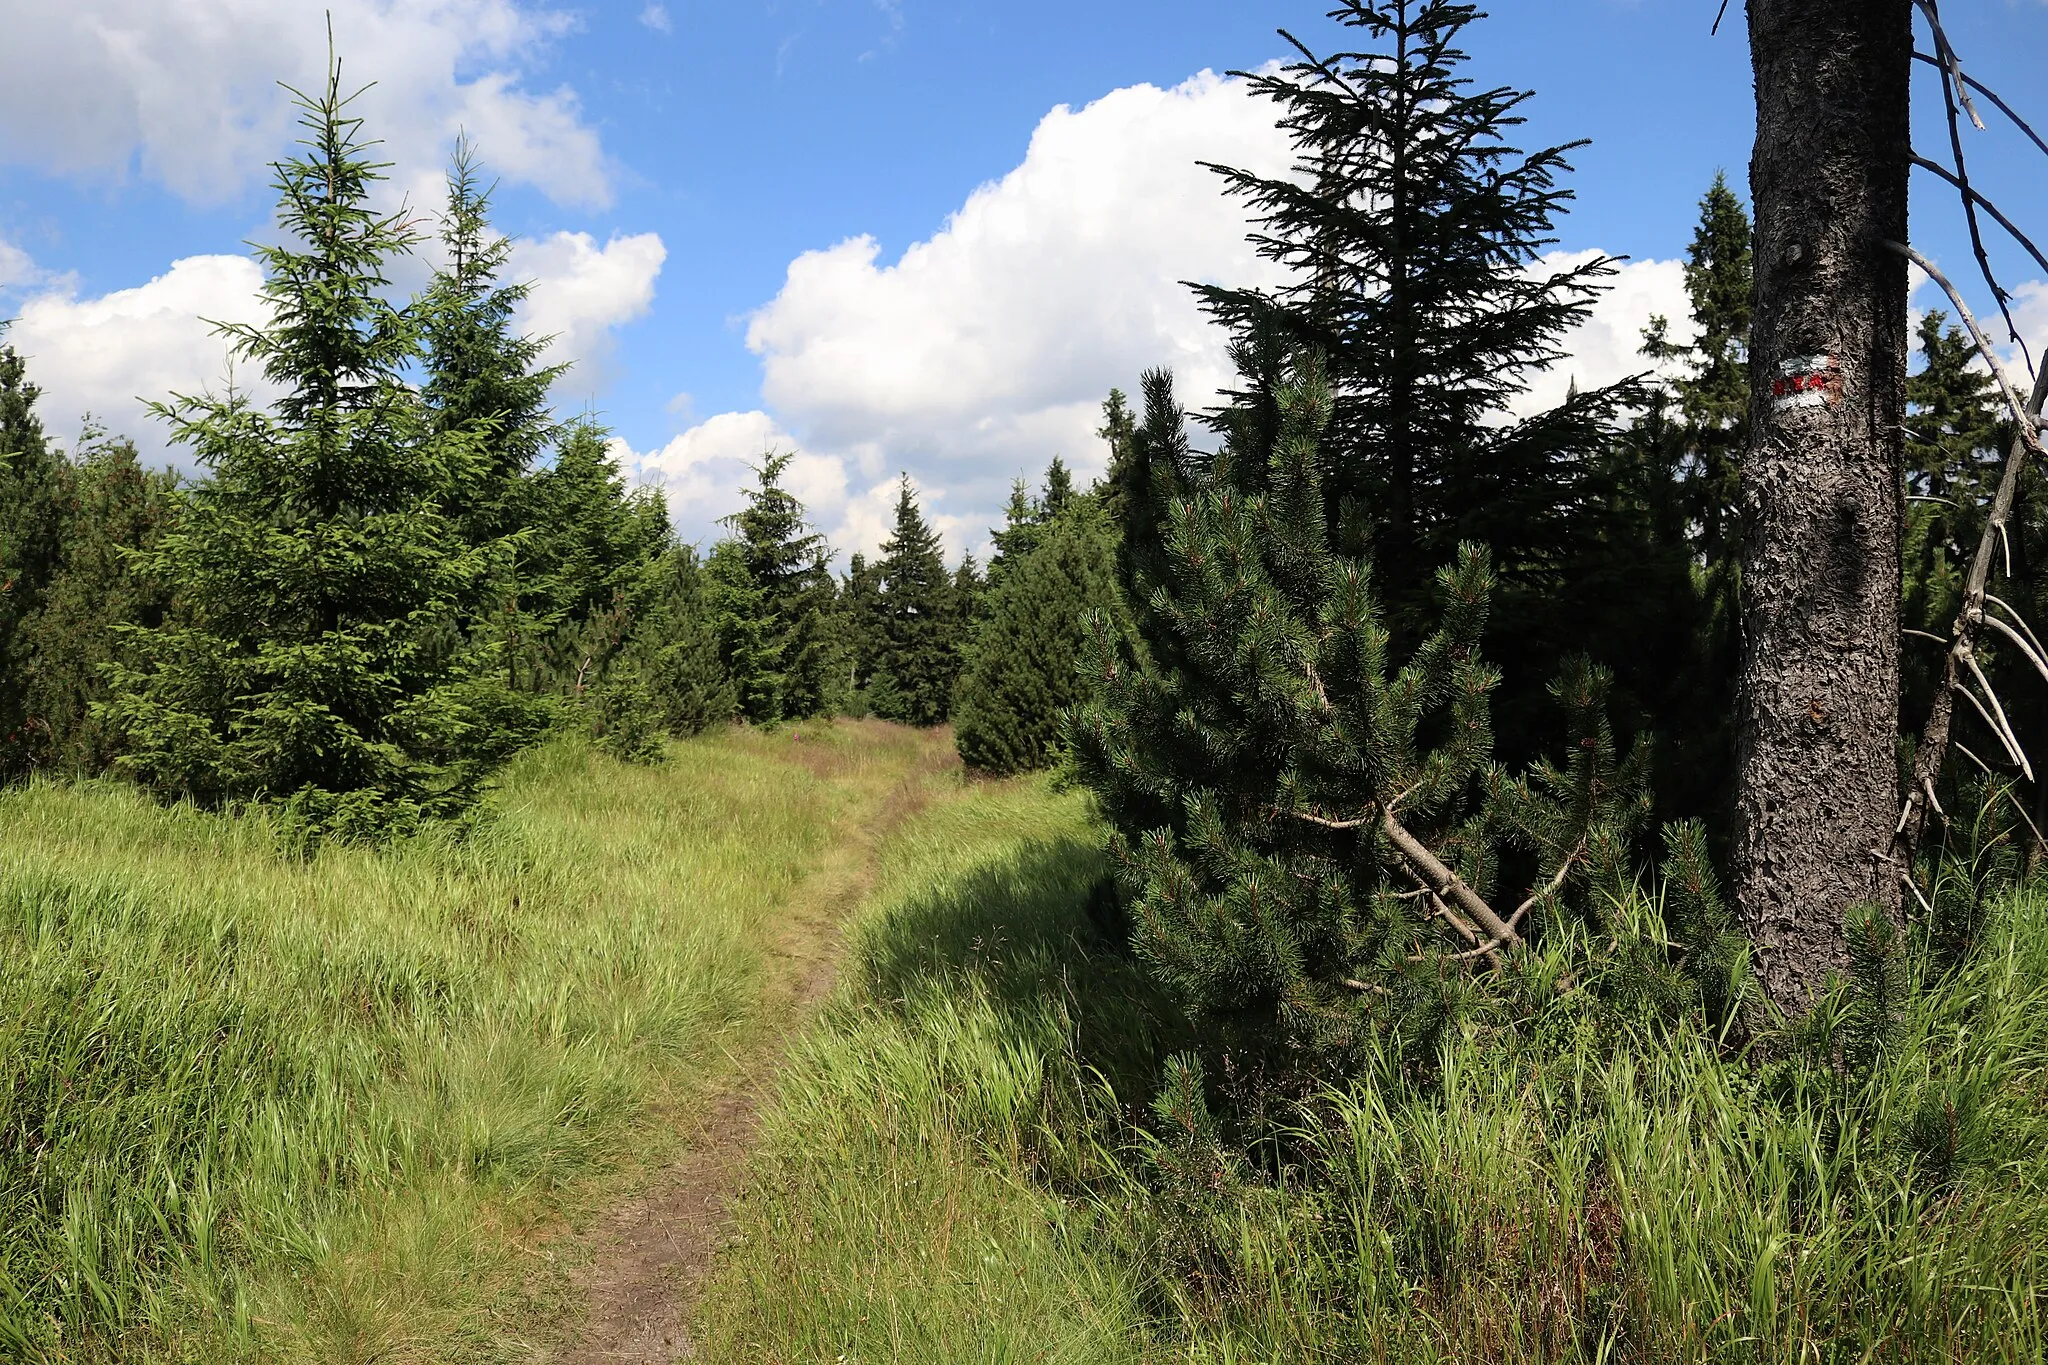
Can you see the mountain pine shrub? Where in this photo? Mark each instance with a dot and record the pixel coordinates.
(1308, 825)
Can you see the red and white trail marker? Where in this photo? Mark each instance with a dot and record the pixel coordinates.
(1806, 381)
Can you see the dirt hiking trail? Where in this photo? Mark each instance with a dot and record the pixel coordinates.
(651, 1253)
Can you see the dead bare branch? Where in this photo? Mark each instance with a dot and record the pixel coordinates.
(2028, 422)
(1448, 885)
(1979, 198)
(2026, 650)
(1935, 735)
(1995, 600)
(1988, 93)
(1950, 64)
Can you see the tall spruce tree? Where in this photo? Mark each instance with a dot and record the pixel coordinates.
(771, 588)
(860, 610)
(1711, 389)
(1410, 233)
(1017, 536)
(665, 676)
(33, 493)
(482, 375)
(1680, 464)
(1024, 669)
(919, 660)
(316, 658)
(1955, 440)
(1817, 776)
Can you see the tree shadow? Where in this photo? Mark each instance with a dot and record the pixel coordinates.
(1035, 929)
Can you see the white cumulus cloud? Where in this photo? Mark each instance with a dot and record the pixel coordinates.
(703, 470)
(655, 17)
(581, 291)
(108, 355)
(184, 92)
(1608, 345)
(985, 350)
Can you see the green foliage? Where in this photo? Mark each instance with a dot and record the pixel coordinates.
(586, 559)
(1025, 667)
(921, 626)
(482, 377)
(771, 592)
(1563, 1181)
(1710, 389)
(316, 657)
(96, 600)
(665, 677)
(1264, 757)
(33, 493)
(1410, 232)
(1954, 454)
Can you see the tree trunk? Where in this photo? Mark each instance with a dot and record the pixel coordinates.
(1817, 771)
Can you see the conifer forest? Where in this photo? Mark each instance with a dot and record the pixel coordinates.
(1372, 867)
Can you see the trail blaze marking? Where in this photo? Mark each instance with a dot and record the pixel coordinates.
(1806, 381)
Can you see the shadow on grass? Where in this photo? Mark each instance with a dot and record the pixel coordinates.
(1034, 929)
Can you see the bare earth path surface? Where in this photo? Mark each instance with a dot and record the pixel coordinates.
(651, 1253)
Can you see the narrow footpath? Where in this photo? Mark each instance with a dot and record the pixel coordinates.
(652, 1253)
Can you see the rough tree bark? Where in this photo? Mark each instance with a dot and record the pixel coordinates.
(1817, 777)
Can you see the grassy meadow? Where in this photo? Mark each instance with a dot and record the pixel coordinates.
(354, 1108)
(953, 1173)
(258, 1107)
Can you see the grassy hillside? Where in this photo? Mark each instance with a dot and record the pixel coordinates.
(253, 1107)
(953, 1174)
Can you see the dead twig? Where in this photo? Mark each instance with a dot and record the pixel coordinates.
(2026, 650)
(1976, 196)
(1988, 93)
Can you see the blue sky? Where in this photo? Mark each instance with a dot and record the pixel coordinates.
(717, 199)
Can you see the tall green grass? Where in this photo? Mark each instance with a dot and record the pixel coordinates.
(257, 1107)
(896, 1210)
(964, 1166)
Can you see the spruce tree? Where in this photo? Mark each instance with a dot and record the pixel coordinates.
(675, 647)
(1711, 390)
(1017, 536)
(772, 591)
(1119, 427)
(919, 659)
(860, 611)
(664, 677)
(1954, 454)
(1308, 826)
(316, 657)
(34, 489)
(970, 592)
(1410, 231)
(1025, 668)
(483, 376)
(1679, 465)
(96, 600)
(585, 560)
